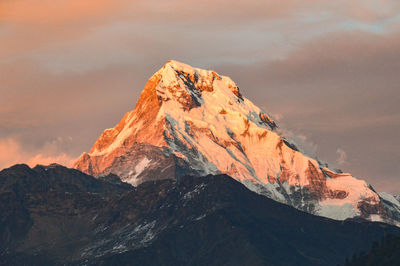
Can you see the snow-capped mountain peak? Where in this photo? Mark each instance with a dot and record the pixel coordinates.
(194, 121)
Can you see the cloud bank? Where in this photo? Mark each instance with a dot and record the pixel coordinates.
(72, 68)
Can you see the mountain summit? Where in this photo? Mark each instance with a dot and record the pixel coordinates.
(195, 121)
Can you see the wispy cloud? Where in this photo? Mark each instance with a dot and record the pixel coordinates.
(304, 144)
(342, 159)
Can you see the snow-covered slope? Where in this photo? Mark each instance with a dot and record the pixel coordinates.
(194, 121)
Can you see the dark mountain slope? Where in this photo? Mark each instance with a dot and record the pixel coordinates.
(223, 223)
(387, 253)
(45, 209)
(56, 215)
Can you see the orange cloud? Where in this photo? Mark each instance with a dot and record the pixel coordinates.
(9, 153)
(371, 11)
(61, 11)
(30, 25)
(78, 11)
(48, 26)
(62, 159)
(12, 153)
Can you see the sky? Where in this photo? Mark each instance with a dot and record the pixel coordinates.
(327, 71)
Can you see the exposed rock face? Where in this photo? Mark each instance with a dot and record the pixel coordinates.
(189, 120)
(143, 162)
